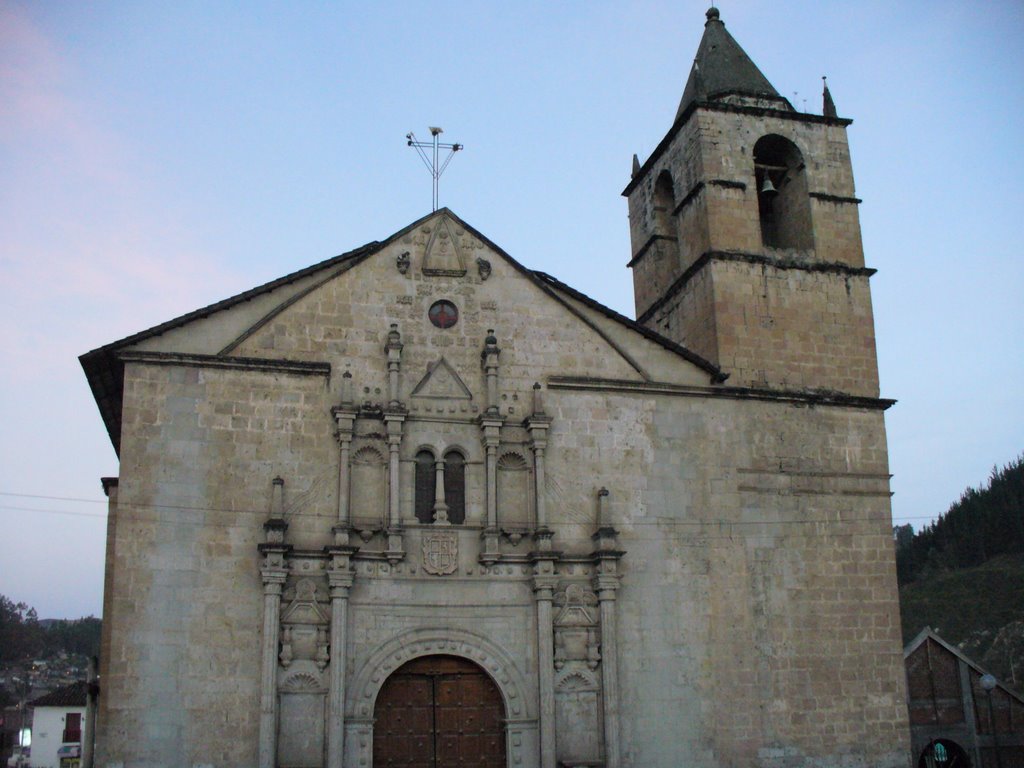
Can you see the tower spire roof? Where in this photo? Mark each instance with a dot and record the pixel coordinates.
(722, 68)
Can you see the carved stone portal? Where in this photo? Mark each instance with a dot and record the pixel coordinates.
(440, 552)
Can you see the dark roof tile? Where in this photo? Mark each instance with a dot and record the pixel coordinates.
(68, 696)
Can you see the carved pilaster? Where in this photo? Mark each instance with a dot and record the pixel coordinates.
(345, 419)
(393, 348)
(394, 421)
(274, 571)
(490, 426)
(606, 582)
(537, 426)
(544, 582)
(489, 361)
(605, 586)
(339, 578)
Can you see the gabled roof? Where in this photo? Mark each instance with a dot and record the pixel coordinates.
(929, 634)
(721, 68)
(105, 371)
(716, 373)
(104, 368)
(73, 695)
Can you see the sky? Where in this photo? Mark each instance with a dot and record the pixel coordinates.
(157, 157)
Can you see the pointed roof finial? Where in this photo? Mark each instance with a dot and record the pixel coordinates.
(828, 107)
(722, 69)
(636, 165)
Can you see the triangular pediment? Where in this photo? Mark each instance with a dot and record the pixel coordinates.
(303, 608)
(443, 383)
(443, 255)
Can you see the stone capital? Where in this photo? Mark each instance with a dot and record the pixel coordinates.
(489, 422)
(394, 419)
(605, 585)
(344, 419)
(273, 580)
(538, 425)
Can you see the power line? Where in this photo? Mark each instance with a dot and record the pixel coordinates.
(185, 508)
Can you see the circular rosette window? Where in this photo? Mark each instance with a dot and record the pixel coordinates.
(443, 314)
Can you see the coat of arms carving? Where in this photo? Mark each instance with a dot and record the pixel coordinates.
(440, 552)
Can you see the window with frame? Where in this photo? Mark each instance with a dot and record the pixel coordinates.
(452, 492)
(72, 728)
(455, 487)
(426, 486)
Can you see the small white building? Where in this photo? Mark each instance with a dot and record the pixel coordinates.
(57, 726)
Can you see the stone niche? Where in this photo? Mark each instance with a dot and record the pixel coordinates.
(577, 685)
(302, 675)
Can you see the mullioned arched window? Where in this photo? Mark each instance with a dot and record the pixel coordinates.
(453, 490)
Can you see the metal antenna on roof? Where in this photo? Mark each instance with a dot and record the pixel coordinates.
(432, 161)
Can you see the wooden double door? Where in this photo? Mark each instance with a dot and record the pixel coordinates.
(439, 712)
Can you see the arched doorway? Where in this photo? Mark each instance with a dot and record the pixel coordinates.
(439, 712)
(943, 753)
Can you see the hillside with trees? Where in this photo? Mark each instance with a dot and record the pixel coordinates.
(963, 575)
(24, 637)
(39, 654)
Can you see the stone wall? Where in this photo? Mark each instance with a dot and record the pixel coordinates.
(756, 614)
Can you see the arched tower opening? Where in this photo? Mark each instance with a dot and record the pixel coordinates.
(782, 200)
(664, 205)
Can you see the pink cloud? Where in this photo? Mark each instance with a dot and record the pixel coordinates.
(88, 252)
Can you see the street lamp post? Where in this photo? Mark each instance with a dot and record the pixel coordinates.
(988, 683)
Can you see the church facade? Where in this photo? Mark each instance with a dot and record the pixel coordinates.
(419, 505)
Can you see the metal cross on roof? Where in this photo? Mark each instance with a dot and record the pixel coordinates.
(432, 161)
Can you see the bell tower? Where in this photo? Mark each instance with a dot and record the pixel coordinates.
(745, 233)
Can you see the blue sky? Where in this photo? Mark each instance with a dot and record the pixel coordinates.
(156, 157)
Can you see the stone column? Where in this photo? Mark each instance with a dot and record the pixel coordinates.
(605, 586)
(606, 581)
(339, 577)
(393, 420)
(537, 426)
(440, 508)
(490, 425)
(345, 419)
(489, 361)
(393, 349)
(274, 571)
(544, 582)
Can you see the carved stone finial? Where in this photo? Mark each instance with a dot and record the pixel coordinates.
(394, 337)
(602, 508)
(346, 388)
(828, 106)
(277, 500)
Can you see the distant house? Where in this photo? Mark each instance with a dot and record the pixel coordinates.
(57, 725)
(951, 722)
